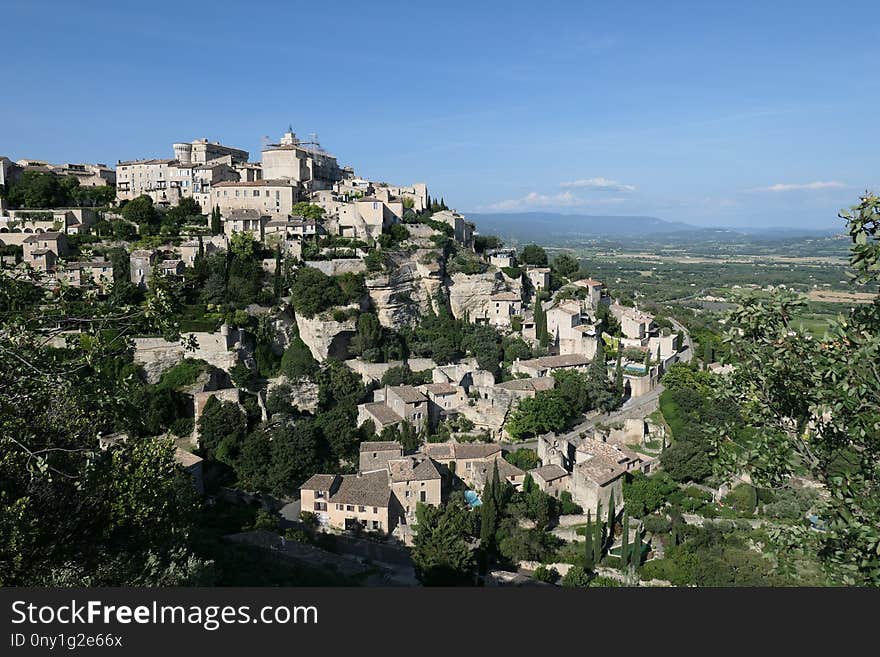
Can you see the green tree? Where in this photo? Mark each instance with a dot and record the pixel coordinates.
(295, 455)
(565, 265)
(297, 361)
(533, 254)
(216, 225)
(140, 211)
(222, 429)
(441, 553)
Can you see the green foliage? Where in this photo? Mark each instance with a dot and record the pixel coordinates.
(523, 458)
(743, 498)
(297, 361)
(512, 272)
(644, 494)
(483, 243)
(533, 255)
(440, 553)
(308, 210)
(484, 343)
(576, 577)
(403, 375)
(515, 348)
(222, 429)
(535, 416)
(313, 292)
(565, 265)
(465, 262)
(140, 211)
(183, 374)
(37, 189)
(392, 238)
(544, 574)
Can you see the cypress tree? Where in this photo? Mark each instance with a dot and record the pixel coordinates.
(541, 323)
(647, 361)
(618, 374)
(658, 354)
(489, 520)
(497, 488)
(216, 228)
(624, 542)
(611, 518)
(589, 550)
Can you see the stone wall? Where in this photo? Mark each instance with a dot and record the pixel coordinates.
(373, 372)
(222, 350)
(339, 266)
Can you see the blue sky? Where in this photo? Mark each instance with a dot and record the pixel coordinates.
(716, 113)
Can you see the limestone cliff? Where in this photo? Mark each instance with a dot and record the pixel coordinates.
(411, 287)
(469, 293)
(324, 336)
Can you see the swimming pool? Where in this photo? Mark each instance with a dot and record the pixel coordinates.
(472, 498)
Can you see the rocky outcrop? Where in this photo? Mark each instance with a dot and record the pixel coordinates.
(412, 287)
(303, 393)
(469, 293)
(325, 337)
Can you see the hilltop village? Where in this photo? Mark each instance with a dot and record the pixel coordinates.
(348, 349)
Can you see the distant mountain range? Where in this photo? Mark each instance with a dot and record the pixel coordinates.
(549, 227)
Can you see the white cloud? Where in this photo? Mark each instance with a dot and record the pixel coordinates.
(536, 200)
(561, 200)
(599, 184)
(794, 187)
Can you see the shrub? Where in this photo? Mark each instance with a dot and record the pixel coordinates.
(544, 574)
(657, 524)
(576, 577)
(309, 519)
(266, 520)
(724, 526)
(743, 498)
(185, 373)
(605, 582)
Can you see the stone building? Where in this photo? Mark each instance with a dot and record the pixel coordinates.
(596, 469)
(142, 262)
(303, 163)
(42, 250)
(546, 365)
(539, 277)
(272, 197)
(503, 306)
(374, 455)
(248, 220)
(392, 405)
(572, 330)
